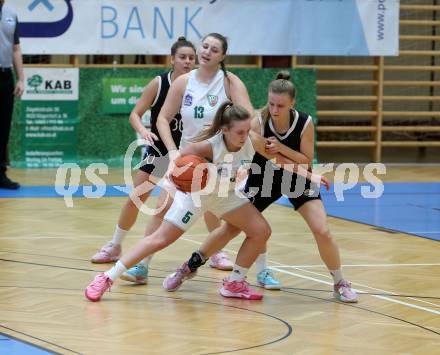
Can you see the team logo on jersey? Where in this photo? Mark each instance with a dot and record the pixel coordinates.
(245, 163)
(188, 100)
(212, 100)
(309, 193)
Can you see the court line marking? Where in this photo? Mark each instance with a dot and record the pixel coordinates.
(358, 290)
(331, 283)
(357, 265)
(280, 266)
(50, 351)
(223, 305)
(369, 287)
(358, 307)
(357, 283)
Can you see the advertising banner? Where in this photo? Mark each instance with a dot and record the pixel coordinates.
(120, 95)
(49, 117)
(253, 27)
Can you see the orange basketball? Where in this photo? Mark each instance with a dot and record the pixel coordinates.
(190, 173)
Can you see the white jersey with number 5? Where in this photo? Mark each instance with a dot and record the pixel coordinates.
(219, 196)
(200, 103)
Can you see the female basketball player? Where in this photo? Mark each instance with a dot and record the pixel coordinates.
(228, 136)
(197, 96)
(183, 55)
(155, 162)
(284, 128)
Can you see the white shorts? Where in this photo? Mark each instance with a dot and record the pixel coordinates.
(183, 213)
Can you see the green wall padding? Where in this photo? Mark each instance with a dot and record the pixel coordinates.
(105, 137)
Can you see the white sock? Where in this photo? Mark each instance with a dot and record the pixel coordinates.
(118, 235)
(146, 261)
(261, 262)
(337, 275)
(238, 273)
(116, 271)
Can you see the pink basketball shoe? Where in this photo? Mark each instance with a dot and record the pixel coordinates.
(109, 253)
(173, 281)
(97, 287)
(239, 289)
(221, 261)
(344, 293)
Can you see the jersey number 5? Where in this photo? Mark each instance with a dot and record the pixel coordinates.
(187, 217)
(199, 112)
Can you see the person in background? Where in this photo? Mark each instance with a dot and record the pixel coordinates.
(10, 56)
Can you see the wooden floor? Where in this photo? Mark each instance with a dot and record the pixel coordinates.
(44, 266)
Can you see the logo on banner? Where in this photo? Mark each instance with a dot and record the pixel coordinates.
(187, 101)
(39, 85)
(35, 81)
(51, 84)
(212, 100)
(46, 29)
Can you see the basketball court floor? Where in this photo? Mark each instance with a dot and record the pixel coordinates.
(389, 248)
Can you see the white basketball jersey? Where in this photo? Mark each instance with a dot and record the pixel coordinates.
(228, 163)
(199, 104)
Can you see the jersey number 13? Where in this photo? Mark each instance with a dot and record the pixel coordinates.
(199, 112)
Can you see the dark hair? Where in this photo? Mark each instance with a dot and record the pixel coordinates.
(181, 42)
(224, 117)
(281, 85)
(224, 42)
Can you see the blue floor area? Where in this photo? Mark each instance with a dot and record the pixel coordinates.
(12, 346)
(412, 208)
(79, 191)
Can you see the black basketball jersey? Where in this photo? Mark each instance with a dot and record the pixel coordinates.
(291, 138)
(175, 124)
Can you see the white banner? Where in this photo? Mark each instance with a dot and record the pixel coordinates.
(253, 27)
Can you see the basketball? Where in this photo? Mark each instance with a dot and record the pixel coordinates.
(190, 173)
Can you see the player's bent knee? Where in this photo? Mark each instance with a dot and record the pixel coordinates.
(261, 230)
(266, 231)
(323, 234)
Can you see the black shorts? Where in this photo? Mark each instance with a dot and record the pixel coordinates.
(155, 161)
(261, 201)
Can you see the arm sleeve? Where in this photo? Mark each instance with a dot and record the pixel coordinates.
(16, 34)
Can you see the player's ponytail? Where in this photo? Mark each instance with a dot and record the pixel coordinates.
(181, 42)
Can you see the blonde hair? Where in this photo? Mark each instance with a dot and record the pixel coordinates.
(281, 85)
(225, 116)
